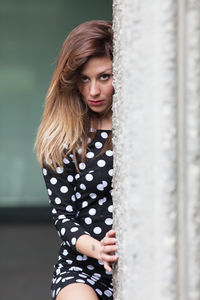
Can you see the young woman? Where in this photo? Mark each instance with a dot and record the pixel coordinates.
(74, 147)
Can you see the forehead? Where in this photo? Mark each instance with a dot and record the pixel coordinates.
(97, 65)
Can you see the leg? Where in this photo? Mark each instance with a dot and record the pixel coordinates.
(77, 291)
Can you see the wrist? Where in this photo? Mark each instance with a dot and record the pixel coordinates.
(89, 246)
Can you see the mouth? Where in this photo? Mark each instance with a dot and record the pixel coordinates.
(96, 102)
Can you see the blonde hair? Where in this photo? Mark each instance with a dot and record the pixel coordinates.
(66, 118)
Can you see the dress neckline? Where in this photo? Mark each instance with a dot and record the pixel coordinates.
(93, 130)
(104, 129)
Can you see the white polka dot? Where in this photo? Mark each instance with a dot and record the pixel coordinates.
(100, 262)
(108, 293)
(89, 177)
(88, 221)
(65, 252)
(92, 195)
(57, 271)
(66, 161)
(90, 267)
(85, 257)
(68, 261)
(62, 231)
(110, 172)
(108, 273)
(59, 170)
(92, 211)
(57, 200)
(108, 221)
(77, 176)
(90, 155)
(100, 187)
(54, 211)
(60, 217)
(82, 186)
(82, 166)
(109, 152)
(101, 163)
(49, 192)
(79, 151)
(75, 269)
(99, 292)
(98, 145)
(101, 201)
(104, 183)
(97, 230)
(64, 189)
(73, 240)
(53, 180)
(110, 208)
(89, 140)
(83, 276)
(69, 208)
(66, 146)
(78, 195)
(80, 280)
(97, 276)
(91, 281)
(44, 172)
(74, 229)
(73, 198)
(84, 204)
(58, 290)
(70, 178)
(79, 257)
(68, 278)
(104, 135)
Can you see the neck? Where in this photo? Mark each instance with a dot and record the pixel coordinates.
(103, 121)
(106, 122)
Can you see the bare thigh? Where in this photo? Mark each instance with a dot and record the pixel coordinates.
(77, 291)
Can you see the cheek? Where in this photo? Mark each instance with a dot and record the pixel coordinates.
(110, 91)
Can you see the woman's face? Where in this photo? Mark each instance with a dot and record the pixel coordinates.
(95, 83)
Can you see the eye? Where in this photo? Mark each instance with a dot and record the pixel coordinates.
(84, 78)
(105, 76)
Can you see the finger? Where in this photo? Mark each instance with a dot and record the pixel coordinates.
(111, 233)
(108, 249)
(109, 258)
(107, 267)
(108, 241)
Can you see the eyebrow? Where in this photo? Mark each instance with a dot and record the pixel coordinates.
(104, 71)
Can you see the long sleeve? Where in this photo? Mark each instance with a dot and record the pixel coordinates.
(61, 190)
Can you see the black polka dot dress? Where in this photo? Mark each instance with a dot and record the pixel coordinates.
(82, 204)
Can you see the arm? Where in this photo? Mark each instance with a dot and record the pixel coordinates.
(60, 186)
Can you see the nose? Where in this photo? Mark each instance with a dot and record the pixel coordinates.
(94, 89)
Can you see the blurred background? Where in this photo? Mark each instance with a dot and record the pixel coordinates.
(31, 34)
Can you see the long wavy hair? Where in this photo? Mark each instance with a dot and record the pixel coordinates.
(67, 119)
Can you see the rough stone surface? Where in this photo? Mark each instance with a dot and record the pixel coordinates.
(192, 157)
(156, 135)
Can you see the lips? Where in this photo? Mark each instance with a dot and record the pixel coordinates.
(96, 102)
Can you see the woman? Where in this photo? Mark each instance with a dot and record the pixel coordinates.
(74, 146)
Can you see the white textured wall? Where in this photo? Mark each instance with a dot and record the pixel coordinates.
(157, 149)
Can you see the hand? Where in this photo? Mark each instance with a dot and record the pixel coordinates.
(108, 249)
